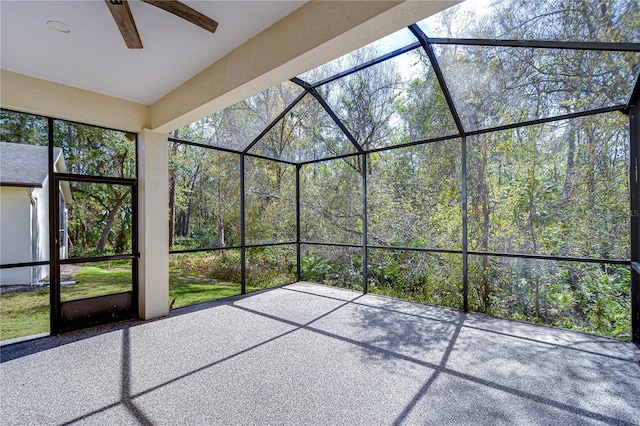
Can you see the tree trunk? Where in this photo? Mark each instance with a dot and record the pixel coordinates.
(221, 239)
(192, 186)
(110, 219)
(570, 165)
(483, 192)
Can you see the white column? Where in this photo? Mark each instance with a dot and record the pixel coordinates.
(153, 233)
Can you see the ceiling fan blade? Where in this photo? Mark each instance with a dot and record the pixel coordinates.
(122, 15)
(186, 13)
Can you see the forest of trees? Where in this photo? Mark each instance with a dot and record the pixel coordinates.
(559, 188)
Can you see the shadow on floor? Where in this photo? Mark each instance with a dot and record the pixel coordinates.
(383, 331)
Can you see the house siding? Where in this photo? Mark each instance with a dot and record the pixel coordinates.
(18, 244)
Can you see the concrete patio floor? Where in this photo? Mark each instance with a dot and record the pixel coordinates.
(306, 354)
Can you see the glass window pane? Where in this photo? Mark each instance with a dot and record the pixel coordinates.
(582, 296)
(24, 196)
(564, 20)
(270, 201)
(270, 266)
(332, 265)
(237, 126)
(393, 102)
(204, 198)
(331, 201)
(434, 278)
(307, 132)
(494, 86)
(84, 280)
(414, 197)
(88, 150)
(556, 189)
(203, 276)
(95, 219)
(378, 48)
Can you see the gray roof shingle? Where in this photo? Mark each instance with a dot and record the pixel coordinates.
(24, 165)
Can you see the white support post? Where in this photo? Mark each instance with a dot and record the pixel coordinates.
(153, 230)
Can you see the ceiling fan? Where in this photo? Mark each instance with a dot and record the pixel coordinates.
(122, 15)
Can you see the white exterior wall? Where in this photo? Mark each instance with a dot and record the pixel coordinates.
(15, 238)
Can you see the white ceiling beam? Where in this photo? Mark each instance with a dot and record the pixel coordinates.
(22, 93)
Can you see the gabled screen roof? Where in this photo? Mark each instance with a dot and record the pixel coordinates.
(477, 66)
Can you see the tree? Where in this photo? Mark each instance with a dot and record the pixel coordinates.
(98, 209)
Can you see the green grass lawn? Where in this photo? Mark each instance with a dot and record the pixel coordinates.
(98, 279)
(26, 313)
(189, 290)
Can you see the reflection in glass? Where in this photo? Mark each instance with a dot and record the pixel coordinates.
(99, 220)
(331, 201)
(95, 151)
(203, 276)
(270, 266)
(584, 296)
(434, 278)
(390, 103)
(332, 265)
(204, 198)
(565, 20)
(84, 280)
(237, 126)
(270, 201)
(414, 196)
(558, 189)
(306, 133)
(494, 86)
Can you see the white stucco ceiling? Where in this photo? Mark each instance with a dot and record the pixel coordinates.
(95, 57)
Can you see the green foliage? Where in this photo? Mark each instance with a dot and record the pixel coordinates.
(270, 202)
(423, 277)
(222, 266)
(204, 192)
(22, 128)
(271, 266)
(586, 297)
(334, 266)
(313, 268)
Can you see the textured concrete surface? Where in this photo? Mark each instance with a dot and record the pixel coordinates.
(306, 354)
